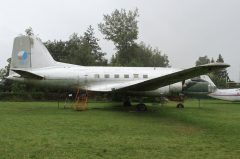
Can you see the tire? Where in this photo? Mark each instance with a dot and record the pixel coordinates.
(141, 107)
(180, 105)
(127, 104)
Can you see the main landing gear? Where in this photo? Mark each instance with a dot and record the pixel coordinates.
(140, 107)
(180, 100)
(127, 102)
(180, 105)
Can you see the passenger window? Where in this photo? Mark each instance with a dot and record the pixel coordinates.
(145, 76)
(96, 76)
(106, 76)
(126, 76)
(135, 75)
(116, 76)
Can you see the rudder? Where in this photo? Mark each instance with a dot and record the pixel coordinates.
(29, 52)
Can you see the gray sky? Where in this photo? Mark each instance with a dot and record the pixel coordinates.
(182, 29)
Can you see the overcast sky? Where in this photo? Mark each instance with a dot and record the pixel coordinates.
(182, 29)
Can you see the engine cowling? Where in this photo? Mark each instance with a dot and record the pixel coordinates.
(197, 87)
(173, 89)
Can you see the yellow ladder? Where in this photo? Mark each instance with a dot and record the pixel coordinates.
(81, 100)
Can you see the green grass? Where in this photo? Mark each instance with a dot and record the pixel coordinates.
(106, 130)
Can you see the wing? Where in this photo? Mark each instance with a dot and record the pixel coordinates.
(155, 83)
(175, 77)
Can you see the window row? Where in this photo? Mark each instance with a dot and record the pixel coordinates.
(118, 76)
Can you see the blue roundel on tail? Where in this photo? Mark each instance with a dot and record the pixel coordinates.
(22, 55)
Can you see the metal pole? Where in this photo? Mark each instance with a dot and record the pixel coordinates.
(199, 103)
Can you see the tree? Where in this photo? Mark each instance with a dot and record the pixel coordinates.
(3, 73)
(7, 68)
(212, 60)
(218, 77)
(145, 56)
(202, 60)
(58, 50)
(80, 50)
(220, 59)
(91, 44)
(159, 60)
(121, 28)
(29, 31)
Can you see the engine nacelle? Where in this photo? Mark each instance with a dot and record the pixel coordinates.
(173, 89)
(198, 87)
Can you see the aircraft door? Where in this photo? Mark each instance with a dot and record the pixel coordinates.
(86, 81)
(82, 80)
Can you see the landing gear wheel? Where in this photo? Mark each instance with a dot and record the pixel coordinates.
(127, 102)
(180, 105)
(141, 107)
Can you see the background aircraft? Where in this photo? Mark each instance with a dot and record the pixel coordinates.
(203, 85)
(222, 94)
(227, 94)
(32, 63)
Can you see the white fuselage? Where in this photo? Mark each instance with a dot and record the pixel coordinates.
(226, 94)
(32, 63)
(105, 79)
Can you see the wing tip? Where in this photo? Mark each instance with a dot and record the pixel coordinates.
(222, 65)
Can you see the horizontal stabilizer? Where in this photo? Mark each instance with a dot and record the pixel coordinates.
(27, 74)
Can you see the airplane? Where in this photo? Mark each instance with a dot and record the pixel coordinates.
(33, 64)
(222, 94)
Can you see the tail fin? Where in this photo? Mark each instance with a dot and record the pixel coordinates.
(211, 87)
(207, 78)
(29, 52)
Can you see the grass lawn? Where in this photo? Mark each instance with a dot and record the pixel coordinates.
(106, 130)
